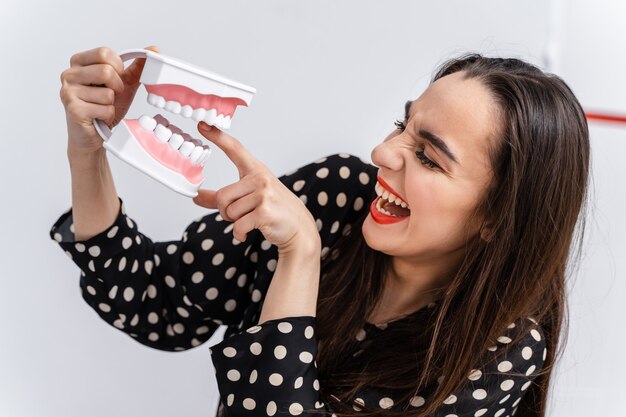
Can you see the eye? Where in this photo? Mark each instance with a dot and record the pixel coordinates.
(425, 160)
(399, 125)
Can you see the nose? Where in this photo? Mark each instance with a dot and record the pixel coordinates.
(387, 154)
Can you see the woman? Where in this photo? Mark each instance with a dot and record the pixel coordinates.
(444, 296)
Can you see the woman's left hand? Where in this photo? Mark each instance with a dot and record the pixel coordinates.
(258, 200)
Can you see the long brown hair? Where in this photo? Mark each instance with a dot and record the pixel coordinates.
(535, 202)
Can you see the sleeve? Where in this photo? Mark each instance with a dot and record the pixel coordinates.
(496, 388)
(270, 369)
(173, 295)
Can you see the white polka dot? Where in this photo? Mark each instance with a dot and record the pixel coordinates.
(359, 404)
(138, 240)
(217, 259)
(230, 305)
(480, 412)
(148, 266)
(111, 233)
(308, 332)
(295, 409)
(504, 339)
(344, 172)
(233, 375)
(318, 223)
(334, 227)
(230, 272)
(256, 348)
(104, 307)
(271, 408)
(201, 227)
(505, 366)
(253, 329)
(179, 328)
(358, 204)
(256, 296)
(507, 385)
(265, 245)
(298, 383)
(113, 292)
(188, 258)
(316, 385)
(206, 244)
(153, 318)
(322, 198)
(285, 327)
(530, 370)
(450, 400)
(545, 352)
(526, 385)
(322, 172)
(504, 399)
(535, 334)
(135, 266)
(492, 348)
(271, 265)
(306, 357)
(499, 412)
(475, 375)
(169, 281)
(94, 251)
(276, 379)
(153, 337)
(479, 394)
(108, 262)
(280, 352)
(304, 198)
(171, 249)
(129, 222)
(341, 199)
(129, 293)
(152, 291)
(385, 402)
(241, 281)
(417, 401)
(197, 277)
(127, 242)
(91, 266)
(182, 312)
(122, 264)
(360, 336)
(297, 186)
(211, 293)
(364, 178)
(230, 399)
(80, 247)
(249, 404)
(516, 402)
(527, 353)
(91, 290)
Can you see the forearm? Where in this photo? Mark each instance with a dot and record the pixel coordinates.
(95, 204)
(294, 287)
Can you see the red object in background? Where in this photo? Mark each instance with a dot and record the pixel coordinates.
(605, 117)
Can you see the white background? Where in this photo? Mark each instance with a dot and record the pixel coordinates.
(331, 77)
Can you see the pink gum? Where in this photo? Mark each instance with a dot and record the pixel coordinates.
(164, 153)
(185, 95)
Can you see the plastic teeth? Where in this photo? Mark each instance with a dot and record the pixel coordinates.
(209, 116)
(186, 146)
(386, 195)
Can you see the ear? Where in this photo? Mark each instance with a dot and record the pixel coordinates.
(486, 231)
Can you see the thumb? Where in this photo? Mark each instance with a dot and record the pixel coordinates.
(206, 199)
(133, 72)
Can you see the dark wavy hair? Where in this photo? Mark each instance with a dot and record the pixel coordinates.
(535, 207)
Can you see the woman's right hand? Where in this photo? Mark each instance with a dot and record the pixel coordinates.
(97, 86)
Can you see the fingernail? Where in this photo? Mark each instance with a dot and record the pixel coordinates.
(204, 126)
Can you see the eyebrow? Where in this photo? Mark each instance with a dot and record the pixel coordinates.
(435, 140)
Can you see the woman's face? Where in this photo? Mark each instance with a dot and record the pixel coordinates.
(439, 166)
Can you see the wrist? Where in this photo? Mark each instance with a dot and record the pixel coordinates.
(302, 246)
(81, 160)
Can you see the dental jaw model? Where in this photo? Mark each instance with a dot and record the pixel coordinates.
(154, 145)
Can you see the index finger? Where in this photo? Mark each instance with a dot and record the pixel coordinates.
(101, 55)
(234, 150)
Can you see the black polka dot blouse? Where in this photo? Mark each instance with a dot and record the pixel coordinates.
(174, 295)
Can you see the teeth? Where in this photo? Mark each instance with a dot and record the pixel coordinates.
(147, 122)
(209, 117)
(186, 148)
(160, 102)
(227, 122)
(152, 99)
(403, 204)
(198, 114)
(205, 154)
(219, 121)
(392, 198)
(176, 140)
(186, 110)
(196, 154)
(386, 194)
(173, 106)
(162, 133)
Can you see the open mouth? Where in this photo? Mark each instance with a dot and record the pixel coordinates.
(388, 207)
